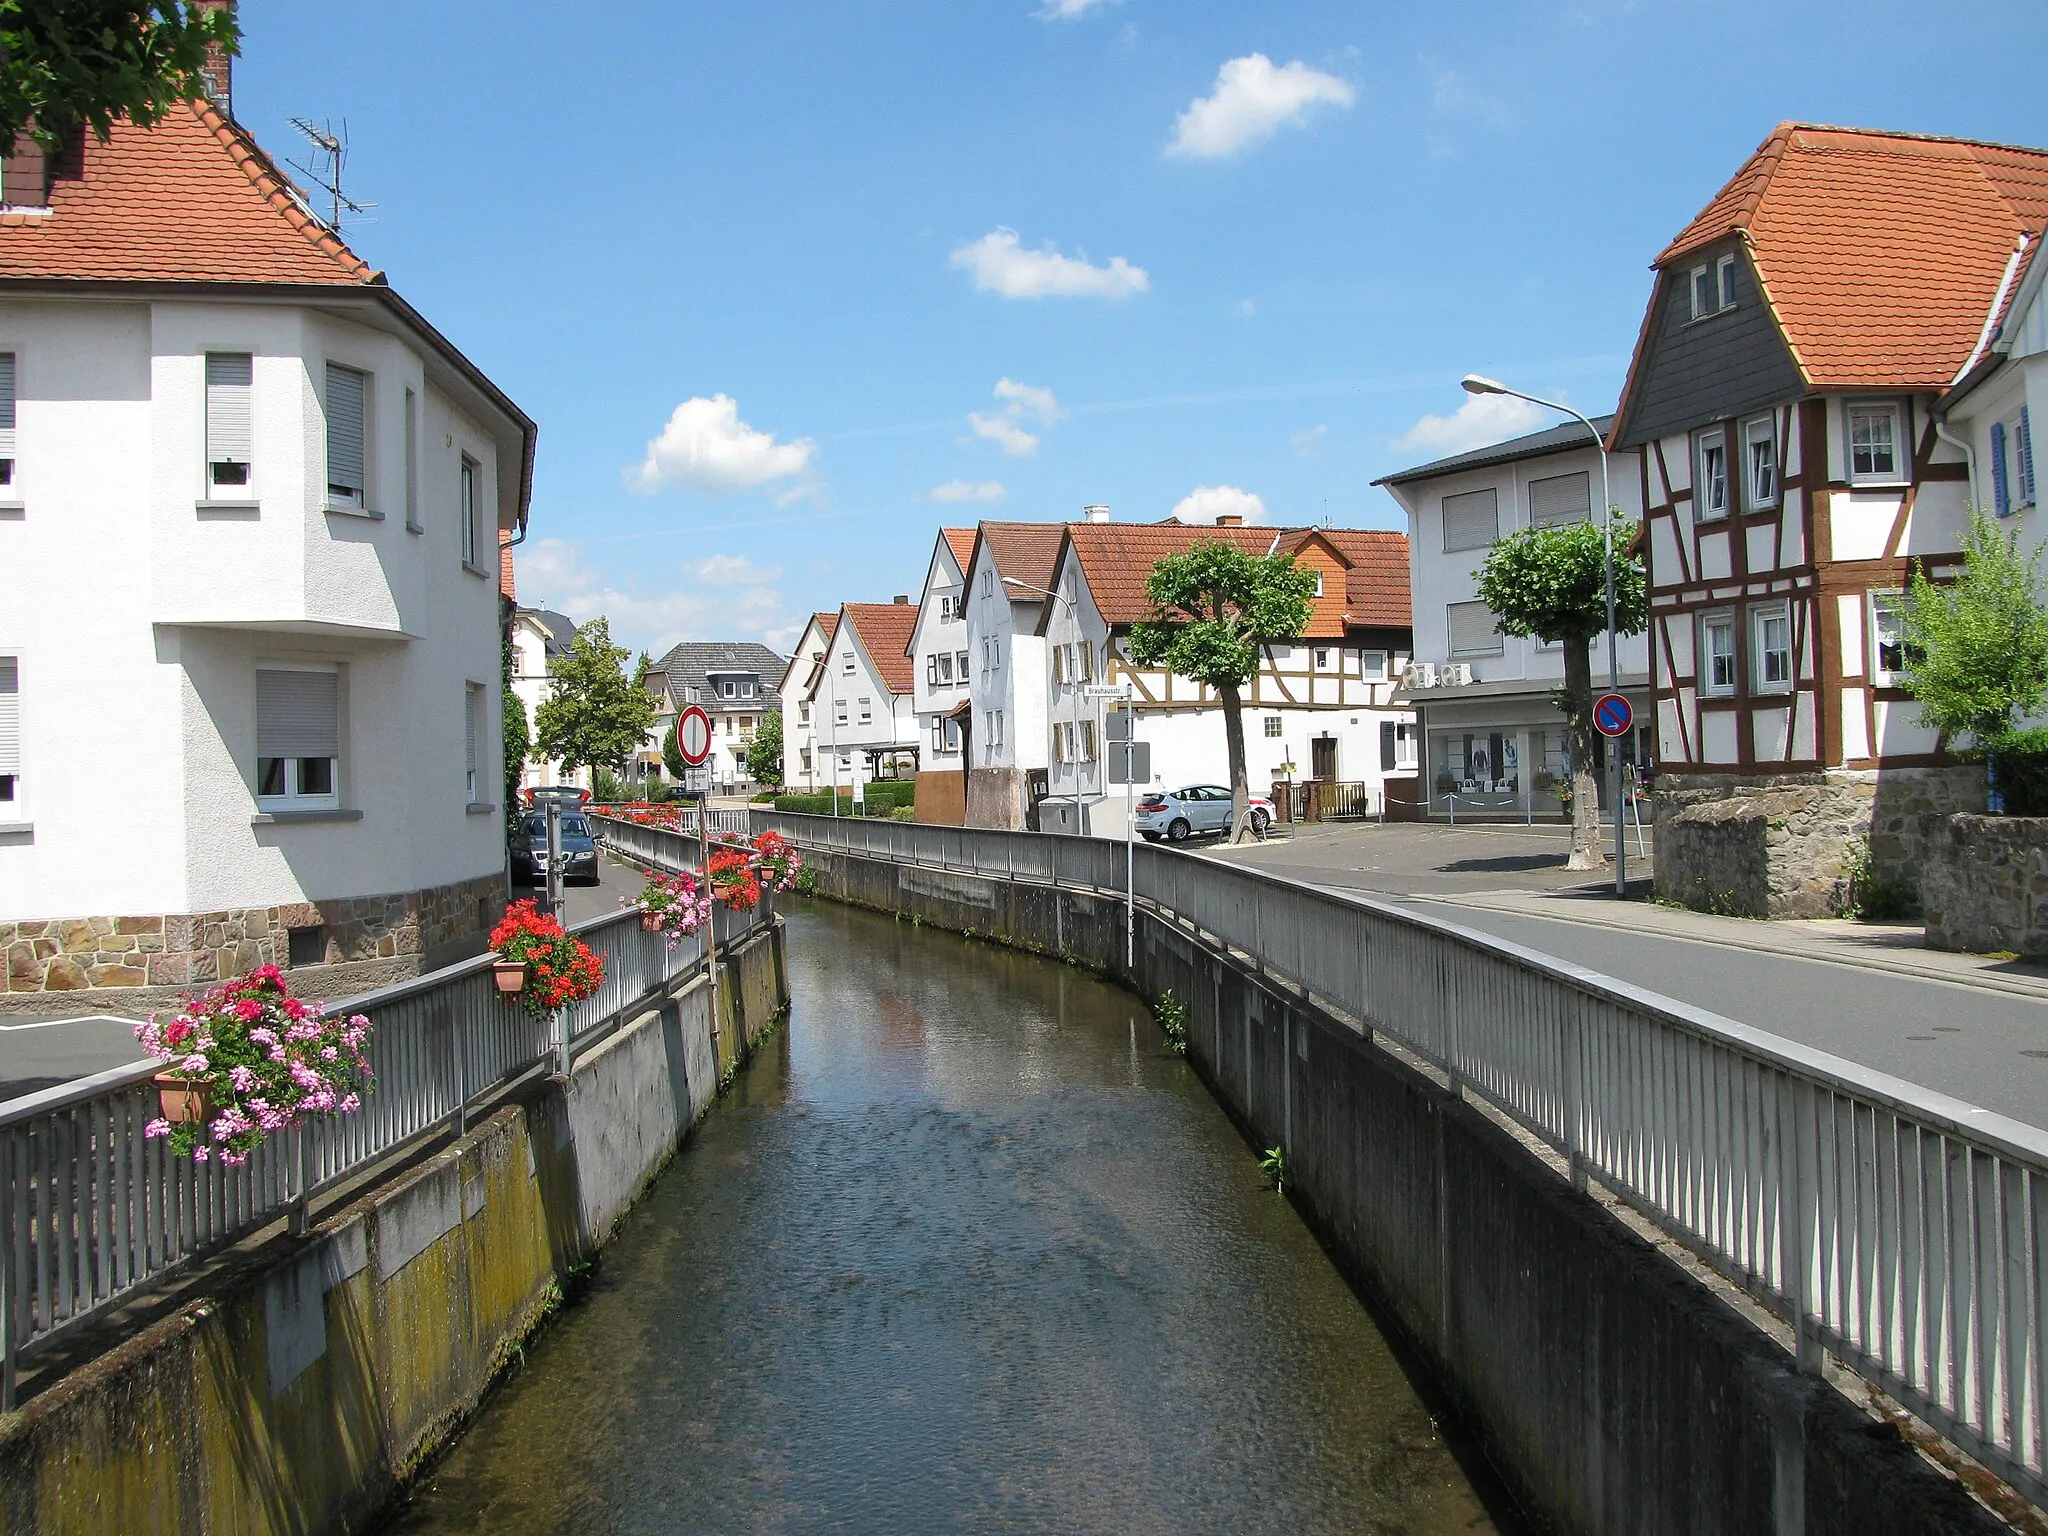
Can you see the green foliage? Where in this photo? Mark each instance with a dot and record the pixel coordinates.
(518, 738)
(1214, 605)
(764, 755)
(1552, 583)
(1274, 1166)
(1172, 1014)
(69, 65)
(607, 788)
(1977, 648)
(1872, 896)
(595, 715)
(672, 754)
(2019, 767)
(884, 797)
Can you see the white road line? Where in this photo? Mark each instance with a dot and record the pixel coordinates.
(91, 1018)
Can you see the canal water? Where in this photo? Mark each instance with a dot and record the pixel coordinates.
(964, 1249)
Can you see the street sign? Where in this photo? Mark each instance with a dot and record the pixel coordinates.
(1612, 715)
(693, 735)
(1106, 691)
(1130, 762)
(1116, 725)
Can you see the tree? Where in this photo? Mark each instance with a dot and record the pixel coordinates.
(1214, 606)
(1976, 649)
(764, 757)
(69, 65)
(672, 754)
(594, 715)
(1551, 583)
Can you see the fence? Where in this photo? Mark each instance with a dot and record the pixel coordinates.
(1905, 1231)
(94, 1212)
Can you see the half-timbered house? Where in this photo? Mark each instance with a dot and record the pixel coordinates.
(1800, 332)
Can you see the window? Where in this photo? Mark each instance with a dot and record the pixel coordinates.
(1372, 666)
(1473, 631)
(1087, 741)
(1561, 499)
(988, 583)
(846, 664)
(1084, 653)
(1710, 483)
(473, 731)
(1322, 662)
(1319, 583)
(867, 711)
(1397, 747)
(1059, 663)
(298, 738)
(728, 689)
(960, 665)
(931, 671)
(1771, 634)
(412, 462)
(347, 398)
(228, 432)
(468, 510)
(1471, 521)
(2012, 464)
(1874, 444)
(803, 712)
(10, 736)
(804, 754)
(1713, 287)
(1760, 462)
(1887, 638)
(6, 418)
(839, 711)
(1272, 725)
(1717, 654)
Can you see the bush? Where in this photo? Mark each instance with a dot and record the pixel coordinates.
(884, 798)
(606, 788)
(1871, 896)
(2019, 771)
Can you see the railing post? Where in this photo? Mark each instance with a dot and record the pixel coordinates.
(1572, 1043)
(301, 1207)
(15, 1245)
(458, 1039)
(1797, 1219)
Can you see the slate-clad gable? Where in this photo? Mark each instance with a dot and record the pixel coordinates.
(1697, 371)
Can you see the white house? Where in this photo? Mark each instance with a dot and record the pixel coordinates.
(245, 479)
(1990, 408)
(734, 682)
(1321, 707)
(866, 725)
(539, 635)
(1493, 737)
(803, 766)
(939, 655)
(1008, 750)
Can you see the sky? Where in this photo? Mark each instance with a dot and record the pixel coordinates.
(789, 286)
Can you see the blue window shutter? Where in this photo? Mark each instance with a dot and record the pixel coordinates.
(2001, 493)
(2024, 452)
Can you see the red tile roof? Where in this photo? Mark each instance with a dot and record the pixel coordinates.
(961, 542)
(1880, 253)
(190, 200)
(1376, 574)
(505, 565)
(1025, 551)
(1116, 558)
(884, 633)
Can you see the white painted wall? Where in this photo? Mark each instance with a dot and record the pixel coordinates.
(939, 634)
(800, 730)
(851, 676)
(139, 620)
(1010, 675)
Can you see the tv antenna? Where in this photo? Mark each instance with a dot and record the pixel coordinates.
(334, 146)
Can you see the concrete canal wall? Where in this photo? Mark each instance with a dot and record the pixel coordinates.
(302, 1390)
(1618, 1392)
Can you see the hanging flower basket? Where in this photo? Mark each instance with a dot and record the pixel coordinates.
(555, 967)
(672, 905)
(183, 1100)
(510, 975)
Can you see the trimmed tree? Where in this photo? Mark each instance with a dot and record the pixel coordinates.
(69, 65)
(764, 756)
(1551, 583)
(595, 715)
(1214, 606)
(672, 754)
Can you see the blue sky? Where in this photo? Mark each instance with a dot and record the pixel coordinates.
(777, 279)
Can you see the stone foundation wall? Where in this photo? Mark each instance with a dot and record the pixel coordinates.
(996, 797)
(102, 954)
(1984, 887)
(1776, 845)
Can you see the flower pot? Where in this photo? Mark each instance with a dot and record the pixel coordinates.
(184, 1100)
(510, 975)
(650, 922)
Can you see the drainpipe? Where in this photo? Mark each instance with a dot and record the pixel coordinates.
(1969, 454)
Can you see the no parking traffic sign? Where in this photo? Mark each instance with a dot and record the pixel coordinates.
(1612, 715)
(693, 736)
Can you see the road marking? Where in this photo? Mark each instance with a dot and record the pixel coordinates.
(85, 1018)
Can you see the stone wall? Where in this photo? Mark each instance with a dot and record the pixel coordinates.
(1984, 887)
(996, 797)
(1776, 845)
(100, 957)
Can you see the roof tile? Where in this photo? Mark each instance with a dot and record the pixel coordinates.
(884, 632)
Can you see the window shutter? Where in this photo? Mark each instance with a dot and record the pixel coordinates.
(344, 429)
(1087, 741)
(1471, 521)
(6, 405)
(10, 715)
(1473, 631)
(1087, 657)
(1560, 499)
(2001, 491)
(229, 435)
(472, 696)
(2023, 455)
(298, 714)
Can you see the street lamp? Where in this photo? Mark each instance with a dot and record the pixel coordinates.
(1479, 384)
(1011, 581)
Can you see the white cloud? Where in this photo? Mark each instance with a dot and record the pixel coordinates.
(1206, 503)
(1001, 265)
(1306, 443)
(962, 490)
(1247, 307)
(706, 448)
(723, 597)
(1253, 101)
(1480, 421)
(1067, 10)
(1453, 94)
(1021, 403)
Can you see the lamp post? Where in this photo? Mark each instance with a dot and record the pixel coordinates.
(1074, 687)
(1479, 384)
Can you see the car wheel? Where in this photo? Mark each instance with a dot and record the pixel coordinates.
(1178, 832)
(1150, 837)
(1260, 821)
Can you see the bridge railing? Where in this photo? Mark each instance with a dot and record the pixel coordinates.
(93, 1213)
(1903, 1230)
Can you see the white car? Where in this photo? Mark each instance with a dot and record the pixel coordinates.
(1177, 814)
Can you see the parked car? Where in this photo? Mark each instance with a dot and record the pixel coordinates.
(530, 849)
(1177, 814)
(568, 794)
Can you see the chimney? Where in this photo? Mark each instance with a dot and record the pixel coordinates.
(1229, 520)
(1096, 513)
(218, 69)
(902, 600)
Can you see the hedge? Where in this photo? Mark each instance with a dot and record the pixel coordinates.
(882, 797)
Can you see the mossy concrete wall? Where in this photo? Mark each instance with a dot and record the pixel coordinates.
(1617, 1392)
(320, 1373)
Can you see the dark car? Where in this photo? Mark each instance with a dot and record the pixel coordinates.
(530, 849)
(568, 794)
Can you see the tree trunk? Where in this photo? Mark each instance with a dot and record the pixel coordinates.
(1240, 782)
(1578, 687)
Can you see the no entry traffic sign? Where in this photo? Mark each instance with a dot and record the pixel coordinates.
(693, 736)
(1612, 715)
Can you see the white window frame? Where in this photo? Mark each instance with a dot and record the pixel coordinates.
(12, 798)
(867, 711)
(839, 712)
(466, 499)
(1444, 517)
(1760, 681)
(1759, 430)
(961, 669)
(341, 497)
(1702, 509)
(1901, 471)
(1319, 583)
(227, 399)
(1450, 629)
(1717, 278)
(1875, 606)
(473, 740)
(846, 664)
(1722, 619)
(1372, 666)
(294, 796)
(1274, 726)
(412, 462)
(803, 711)
(10, 384)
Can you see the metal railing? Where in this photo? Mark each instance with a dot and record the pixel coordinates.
(724, 818)
(1905, 1231)
(93, 1213)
